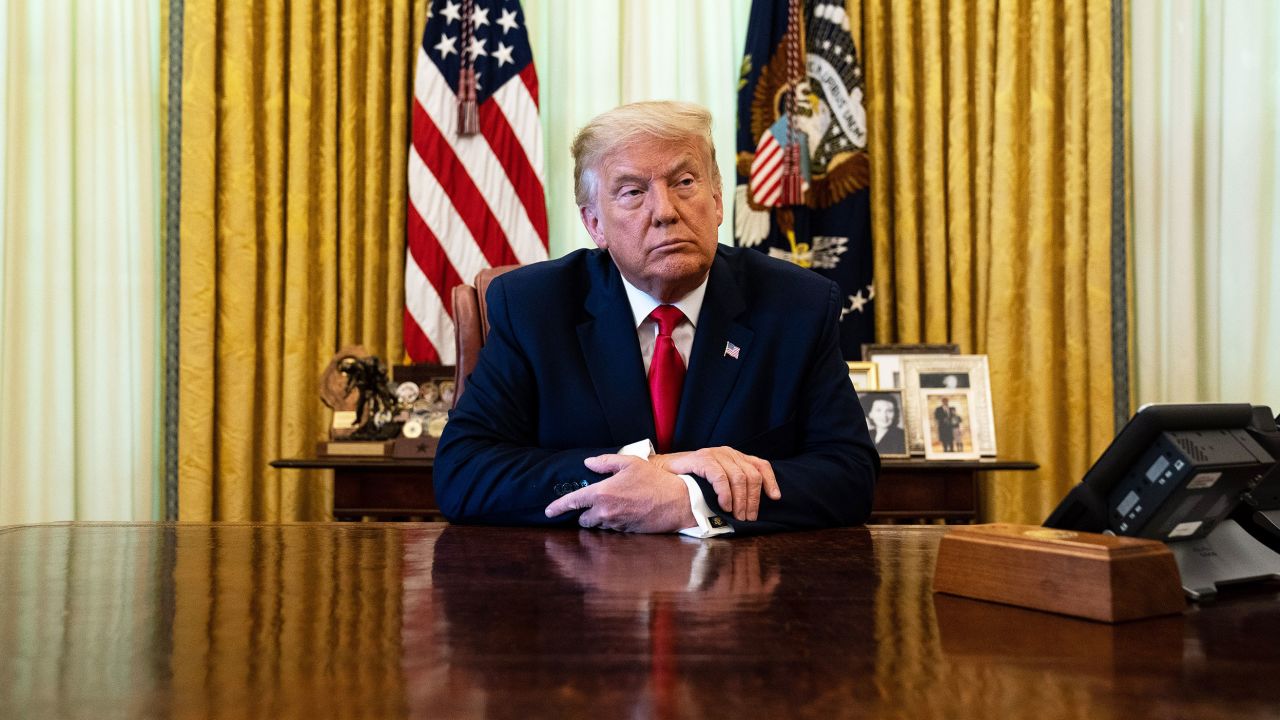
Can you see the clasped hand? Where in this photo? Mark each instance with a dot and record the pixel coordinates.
(737, 478)
(648, 497)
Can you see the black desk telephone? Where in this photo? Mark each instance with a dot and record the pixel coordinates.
(1203, 478)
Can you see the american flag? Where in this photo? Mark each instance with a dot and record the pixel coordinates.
(766, 172)
(770, 164)
(475, 200)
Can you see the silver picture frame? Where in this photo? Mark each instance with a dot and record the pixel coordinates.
(971, 372)
(889, 357)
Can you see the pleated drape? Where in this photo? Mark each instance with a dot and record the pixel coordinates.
(78, 260)
(1206, 122)
(292, 234)
(991, 145)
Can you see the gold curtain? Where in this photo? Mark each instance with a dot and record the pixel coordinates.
(294, 140)
(991, 146)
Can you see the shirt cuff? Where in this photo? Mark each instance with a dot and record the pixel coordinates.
(640, 448)
(709, 524)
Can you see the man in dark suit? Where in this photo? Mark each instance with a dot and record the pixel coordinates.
(726, 358)
(946, 420)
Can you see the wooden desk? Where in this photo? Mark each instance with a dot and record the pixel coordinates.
(369, 620)
(909, 490)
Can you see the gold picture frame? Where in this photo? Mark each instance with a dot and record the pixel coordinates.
(863, 375)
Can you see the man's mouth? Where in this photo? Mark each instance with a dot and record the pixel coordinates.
(672, 243)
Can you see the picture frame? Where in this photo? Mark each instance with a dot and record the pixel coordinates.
(869, 349)
(889, 357)
(863, 375)
(886, 421)
(971, 372)
(947, 424)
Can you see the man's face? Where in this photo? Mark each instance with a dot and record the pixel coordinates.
(656, 211)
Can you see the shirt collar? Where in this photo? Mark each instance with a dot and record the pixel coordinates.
(642, 304)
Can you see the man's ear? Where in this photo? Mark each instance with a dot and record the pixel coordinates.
(591, 221)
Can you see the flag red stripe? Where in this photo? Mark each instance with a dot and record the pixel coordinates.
(770, 149)
(430, 257)
(496, 129)
(768, 189)
(529, 77)
(438, 156)
(416, 343)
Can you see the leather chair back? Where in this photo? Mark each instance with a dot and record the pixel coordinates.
(471, 325)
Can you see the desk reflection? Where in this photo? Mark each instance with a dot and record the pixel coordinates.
(248, 621)
(200, 621)
(567, 623)
(710, 576)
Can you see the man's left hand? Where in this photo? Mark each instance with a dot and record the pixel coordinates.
(737, 478)
(640, 497)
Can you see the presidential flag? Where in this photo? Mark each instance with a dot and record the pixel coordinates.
(475, 164)
(803, 172)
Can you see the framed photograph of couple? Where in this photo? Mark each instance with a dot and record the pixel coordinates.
(885, 422)
(958, 374)
(948, 424)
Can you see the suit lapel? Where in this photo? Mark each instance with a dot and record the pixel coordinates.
(612, 355)
(712, 371)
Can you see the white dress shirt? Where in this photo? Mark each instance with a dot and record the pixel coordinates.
(642, 305)
(647, 327)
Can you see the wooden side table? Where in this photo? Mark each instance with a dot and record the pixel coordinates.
(375, 488)
(908, 490)
(946, 490)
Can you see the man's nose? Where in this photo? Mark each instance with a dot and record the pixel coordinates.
(664, 209)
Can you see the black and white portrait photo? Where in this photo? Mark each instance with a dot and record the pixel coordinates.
(883, 409)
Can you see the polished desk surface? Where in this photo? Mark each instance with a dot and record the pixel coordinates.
(368, 620)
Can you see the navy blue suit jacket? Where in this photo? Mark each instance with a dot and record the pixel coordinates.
(561, 379)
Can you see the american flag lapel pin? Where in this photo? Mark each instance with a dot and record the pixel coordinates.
(731, 350)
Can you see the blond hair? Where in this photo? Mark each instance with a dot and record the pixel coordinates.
(662, 119)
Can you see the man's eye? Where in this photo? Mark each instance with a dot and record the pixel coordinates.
(686, 182)
(633, 192)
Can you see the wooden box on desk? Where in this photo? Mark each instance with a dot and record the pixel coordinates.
(1099, 577)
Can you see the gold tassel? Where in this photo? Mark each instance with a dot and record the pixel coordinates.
(468, 109)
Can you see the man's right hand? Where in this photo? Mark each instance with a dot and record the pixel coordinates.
(737, 478)
(638, 497)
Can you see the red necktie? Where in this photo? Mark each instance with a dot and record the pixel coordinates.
(666, 375)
